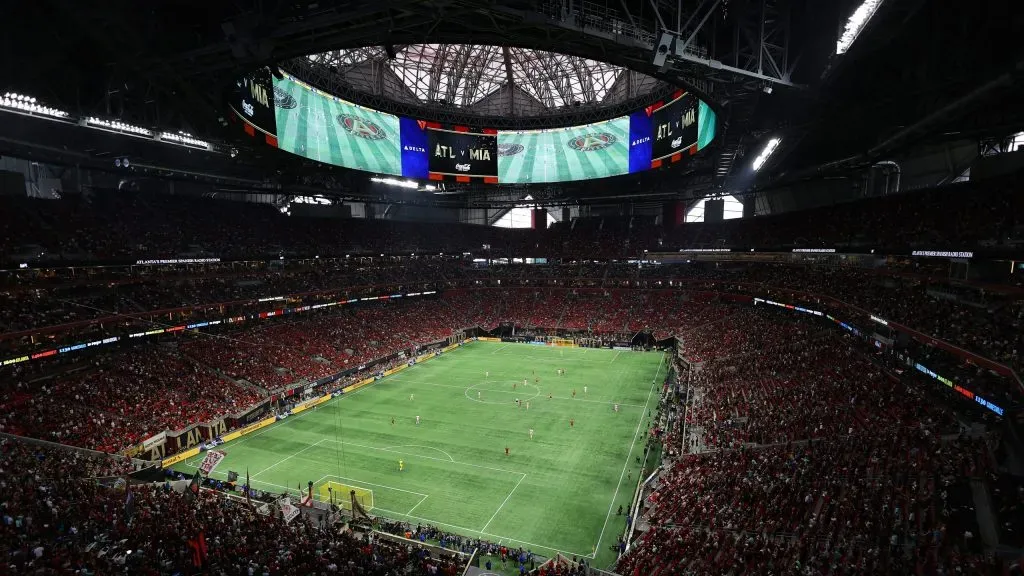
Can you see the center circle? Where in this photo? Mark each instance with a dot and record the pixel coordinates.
(510, 392)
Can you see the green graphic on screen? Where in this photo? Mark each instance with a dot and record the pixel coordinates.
(706, 119)
(578, 153)
(334, 131)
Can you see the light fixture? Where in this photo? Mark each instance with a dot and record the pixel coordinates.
(28, 104)
(396, 182)
(184, 138)
(766, 152)
(856, 24)
(119, 126)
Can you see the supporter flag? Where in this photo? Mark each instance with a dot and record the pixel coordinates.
(193, 486)
(247, 501)
(198, 546)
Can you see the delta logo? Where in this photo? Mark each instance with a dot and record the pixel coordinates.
(361, 128)
(640, 141)
(592, 142)
(282, 99)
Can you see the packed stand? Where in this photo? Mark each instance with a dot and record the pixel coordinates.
(116, 400)
(56, 521)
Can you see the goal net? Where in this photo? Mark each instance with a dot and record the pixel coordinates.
(341, 495)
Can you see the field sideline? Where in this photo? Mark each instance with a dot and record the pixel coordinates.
(557, 492)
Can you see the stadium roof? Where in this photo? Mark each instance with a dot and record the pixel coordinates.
(466, 75)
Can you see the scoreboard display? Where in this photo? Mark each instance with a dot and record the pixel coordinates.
(304, 120)
(325, 128)
(253, 101)
(583, 152)
(674, 127)
(460, 152)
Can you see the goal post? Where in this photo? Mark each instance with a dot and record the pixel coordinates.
(341, 495)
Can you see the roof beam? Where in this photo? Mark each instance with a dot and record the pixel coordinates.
(507, 56)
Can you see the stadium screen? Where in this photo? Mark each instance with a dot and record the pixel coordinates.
(326, 128)
(462, 153)
(253, 101)
(330, 130)
(577, 153)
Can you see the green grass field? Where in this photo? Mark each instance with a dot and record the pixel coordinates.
(557, 492)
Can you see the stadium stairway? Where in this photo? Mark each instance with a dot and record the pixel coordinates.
(986, 519)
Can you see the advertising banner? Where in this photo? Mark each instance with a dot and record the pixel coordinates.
(148, 443)
(179, 457)
(357, 385)
(248, 429)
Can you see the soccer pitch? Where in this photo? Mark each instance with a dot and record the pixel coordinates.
(557, 492)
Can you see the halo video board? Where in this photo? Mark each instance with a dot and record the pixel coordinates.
(319, 126)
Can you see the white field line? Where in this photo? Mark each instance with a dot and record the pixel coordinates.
(495, 537)
(500, 348)
(438, 523)
(654, 384)
(359, 483)
(416, 506)
(285, 422)
(225, 475)
(510, 392)
(616, 357)
(287, 458)
(420, 446)
(503, 502)
(553, 360)
(422, 456)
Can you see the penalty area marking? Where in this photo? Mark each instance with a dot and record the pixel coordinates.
(359, 484)
(417, 505)
(503, 502)
(287, 458)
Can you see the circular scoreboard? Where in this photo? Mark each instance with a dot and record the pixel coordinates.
(304, 120)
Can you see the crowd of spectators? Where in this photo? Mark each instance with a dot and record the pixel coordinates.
(778, 404)
(124, 225)
(986, 320)
(56, 521)
(792, 386)
(274, 354)
(805, 456)
(1008, 502)
(891, 502)
(115, 400)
